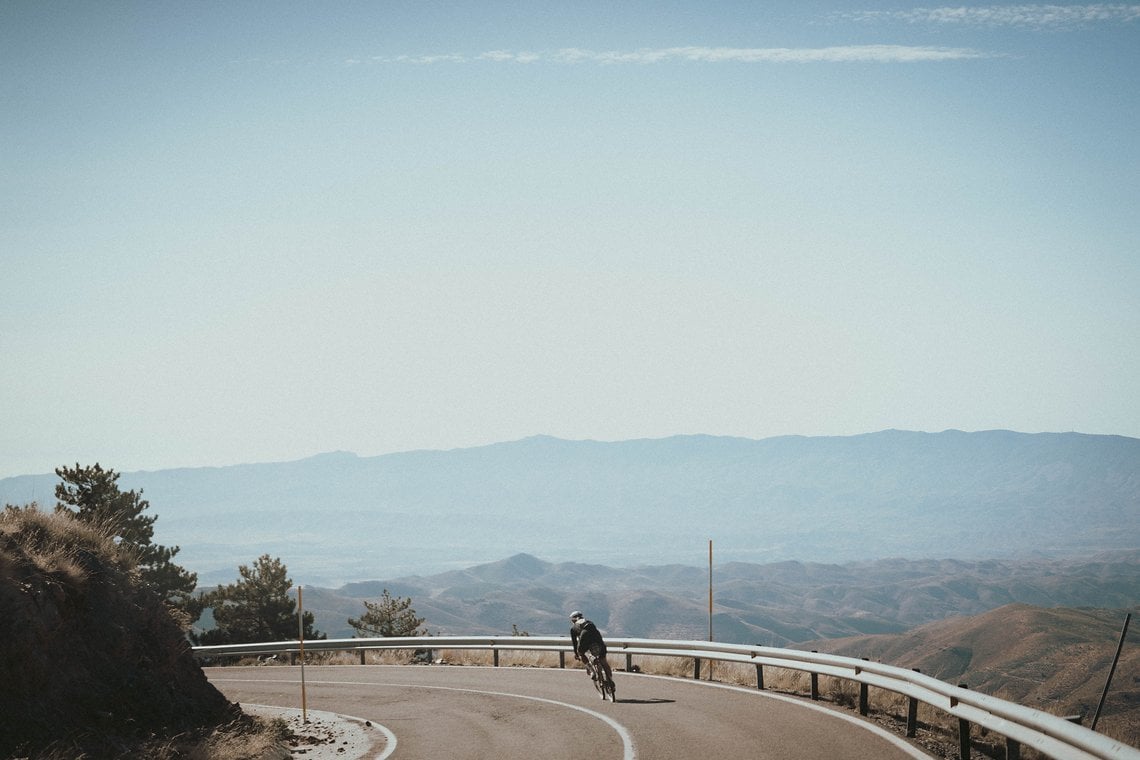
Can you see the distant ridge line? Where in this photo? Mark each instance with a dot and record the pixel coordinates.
(345, 455)
(338, 516)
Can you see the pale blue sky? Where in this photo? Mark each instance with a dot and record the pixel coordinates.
(239, 232)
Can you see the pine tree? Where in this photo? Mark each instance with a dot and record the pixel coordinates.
(257, 607)
(92, 494)
(388, 617)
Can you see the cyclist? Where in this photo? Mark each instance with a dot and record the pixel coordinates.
(586, 637)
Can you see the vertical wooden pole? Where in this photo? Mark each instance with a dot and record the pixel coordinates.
(301, 639)
(710, 592)
(710, 607)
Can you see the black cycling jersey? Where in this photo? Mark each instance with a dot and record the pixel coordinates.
(586, 637)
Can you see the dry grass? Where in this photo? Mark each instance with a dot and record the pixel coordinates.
(251, 739)
(509, 659)
(247, 738)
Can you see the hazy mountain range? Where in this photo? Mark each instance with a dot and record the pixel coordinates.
(338, 517)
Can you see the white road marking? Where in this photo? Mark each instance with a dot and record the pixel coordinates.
(626, 740)
(628, 752)
(894, 739)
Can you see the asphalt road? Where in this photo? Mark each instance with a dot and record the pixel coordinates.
(516, 713)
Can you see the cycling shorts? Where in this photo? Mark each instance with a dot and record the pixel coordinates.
(598, 649)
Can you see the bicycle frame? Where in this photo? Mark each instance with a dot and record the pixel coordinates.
(597, 674)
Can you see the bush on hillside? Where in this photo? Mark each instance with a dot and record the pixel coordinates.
(90, 658)
(391, 616)
(256, 608)
(92, 495)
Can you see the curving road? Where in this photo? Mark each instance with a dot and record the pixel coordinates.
(509, 713)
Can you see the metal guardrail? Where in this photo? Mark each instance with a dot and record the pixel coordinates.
(1051, 735)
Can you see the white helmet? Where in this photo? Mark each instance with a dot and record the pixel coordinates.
(575, 615)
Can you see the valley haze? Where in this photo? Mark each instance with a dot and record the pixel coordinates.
(336, 518)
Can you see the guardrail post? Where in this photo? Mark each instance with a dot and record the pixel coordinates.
(562, 660)
(361, 656)
(696, 668)
(815, 682)
(963, 734)
(912, 714)
(863, 701)
(1012, 749)
(628, 662)
(496, 656)
(759, 676)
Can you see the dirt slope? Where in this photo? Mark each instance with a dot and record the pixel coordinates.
(1056, 660)
(90, 661)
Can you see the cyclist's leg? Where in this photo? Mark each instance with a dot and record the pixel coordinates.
(591, 665)
(600, 679)
(604, 660)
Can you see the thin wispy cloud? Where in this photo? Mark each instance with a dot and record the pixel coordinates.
(1058, 17)
(648, 56)
(429, 59)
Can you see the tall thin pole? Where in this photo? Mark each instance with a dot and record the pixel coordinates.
(710, 592)
(1116, 659)
(710, 607)
(301, 639)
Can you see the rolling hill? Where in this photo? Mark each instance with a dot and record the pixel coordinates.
(1037, 632)
(776, 604)
(1056, 660)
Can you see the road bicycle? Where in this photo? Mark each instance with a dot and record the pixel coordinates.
(598, 676)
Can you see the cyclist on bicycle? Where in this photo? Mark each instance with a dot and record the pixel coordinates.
(586, 637)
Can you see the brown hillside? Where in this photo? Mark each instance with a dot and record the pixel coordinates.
(90, 661)
(1056, 660)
